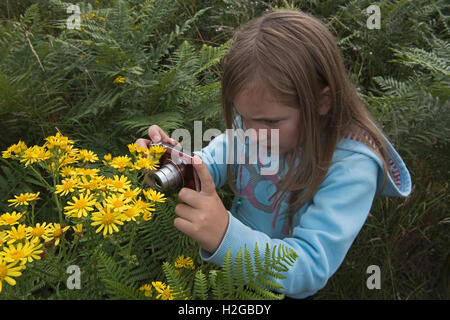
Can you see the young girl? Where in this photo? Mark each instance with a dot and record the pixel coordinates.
(284, 71)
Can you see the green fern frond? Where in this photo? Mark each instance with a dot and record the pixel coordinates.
(227, 275)
(119, 290)
(168, 121)
(417, 57)
(114, 277)
(200, 290)
(249, 270)
(178, 284)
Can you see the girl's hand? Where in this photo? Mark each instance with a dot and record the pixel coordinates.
(202, 215)
(156, 135)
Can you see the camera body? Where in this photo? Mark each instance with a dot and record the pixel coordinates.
(175, 172)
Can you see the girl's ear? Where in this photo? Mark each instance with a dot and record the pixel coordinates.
(325, 101)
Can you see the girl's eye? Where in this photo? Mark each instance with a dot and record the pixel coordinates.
(271, 121)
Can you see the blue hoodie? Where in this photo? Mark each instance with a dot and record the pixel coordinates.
(325, 227)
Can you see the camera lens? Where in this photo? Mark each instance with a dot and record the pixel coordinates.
(167, 178)
(157, 182)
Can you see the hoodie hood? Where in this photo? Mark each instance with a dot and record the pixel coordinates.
(398, 180)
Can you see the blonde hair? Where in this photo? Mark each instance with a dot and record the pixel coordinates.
(295, 56)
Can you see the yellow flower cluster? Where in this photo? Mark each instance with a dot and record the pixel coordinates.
(89, 198)
(183, 262)
(87, 16)
(119, 79)
(163, 291)
(21, 244)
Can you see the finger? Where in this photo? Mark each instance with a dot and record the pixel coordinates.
(189, 197)
(142, 143)
(184, 211)
(184, 226)
(206, 181)
(156, 134)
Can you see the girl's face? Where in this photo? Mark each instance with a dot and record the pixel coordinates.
(260, 110)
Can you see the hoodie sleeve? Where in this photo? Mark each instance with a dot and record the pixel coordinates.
(324, 232)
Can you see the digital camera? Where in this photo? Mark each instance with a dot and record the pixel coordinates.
(175, 172)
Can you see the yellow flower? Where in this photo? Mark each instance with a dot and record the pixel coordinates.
(119, 79)
(3, 238)
(78, 229)
(23, 199)
(154, 195)
(158, 285)
(9, 270)
(10, 218)
(132, 193)
(88, 184)
(121, 163)
(132, 147)
(145, 208)
(87, 172)
(143, 150)
(120, 184)
(67, 185)
(118, 202)
(106, 159)
(35, 154)
(131, 213)
(87, 156)
(182, 262)
(15, 149)
(22, 253)
(157, 151)
(19, 233)
(6, 155)
(29, 157)
(147, 288)
(165, 294)
(57, 231)
(81, 205)
(67, 159)
(107, 219)
(43, 231)
(148, 163)
(58, 141)
(67, 171)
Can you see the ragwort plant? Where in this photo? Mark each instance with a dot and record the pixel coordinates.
(116, 232)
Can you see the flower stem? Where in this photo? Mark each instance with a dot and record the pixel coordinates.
(58, 203)
(49, 187)
(32, 214)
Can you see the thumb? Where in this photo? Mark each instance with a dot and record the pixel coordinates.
(206, 181)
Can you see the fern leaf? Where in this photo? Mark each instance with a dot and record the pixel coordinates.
(177, 283)
(115, 278)
(227, 270)
(200, 290)
(417, 57)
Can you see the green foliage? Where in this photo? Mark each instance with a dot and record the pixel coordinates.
(115, 278)
(234, 281)
(168, 53)
(414, 111)
(66, 78)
